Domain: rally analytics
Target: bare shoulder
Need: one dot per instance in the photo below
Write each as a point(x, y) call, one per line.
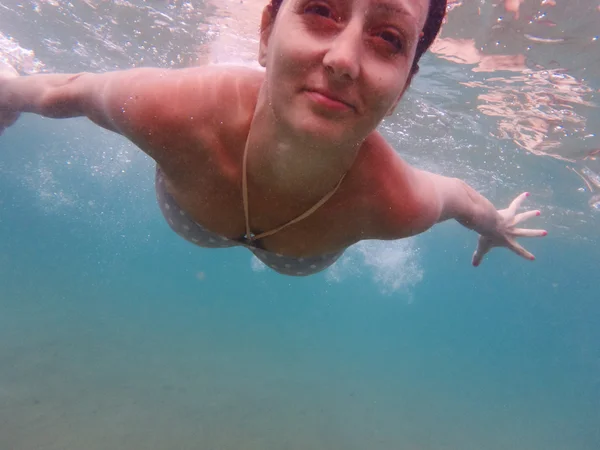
point(403, 202)
point(229, 102)
point(217, 99)
point(231, 93)
point(174, 115)
point(224, 86)
point(189, 95)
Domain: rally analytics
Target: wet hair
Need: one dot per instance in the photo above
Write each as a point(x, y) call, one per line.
point(435, 17)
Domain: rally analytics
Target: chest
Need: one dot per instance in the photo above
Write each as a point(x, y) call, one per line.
point(215, 202)
point(210, 192)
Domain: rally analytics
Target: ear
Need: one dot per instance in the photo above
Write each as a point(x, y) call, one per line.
point(393, 107)
point(266, 26)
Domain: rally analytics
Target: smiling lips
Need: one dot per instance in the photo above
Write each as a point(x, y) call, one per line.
point(329, 100)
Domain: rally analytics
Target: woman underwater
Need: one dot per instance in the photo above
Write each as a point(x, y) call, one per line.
point(286, 162)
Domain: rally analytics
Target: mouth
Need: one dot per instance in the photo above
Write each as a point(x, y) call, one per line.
point(329, 100)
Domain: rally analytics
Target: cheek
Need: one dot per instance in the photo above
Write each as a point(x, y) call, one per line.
point(283, 57)
point(384, 92)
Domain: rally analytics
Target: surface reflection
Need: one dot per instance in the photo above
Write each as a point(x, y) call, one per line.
point(591, 181)
point(531, 66)
point(541, 54)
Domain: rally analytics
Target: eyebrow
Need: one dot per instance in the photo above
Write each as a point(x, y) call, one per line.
point(394, 8)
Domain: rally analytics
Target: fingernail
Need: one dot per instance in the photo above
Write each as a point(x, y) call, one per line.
point(538, 213)
point(533, 258)
point(545, 233)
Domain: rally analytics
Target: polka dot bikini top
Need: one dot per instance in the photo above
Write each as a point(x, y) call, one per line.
point(186, 227)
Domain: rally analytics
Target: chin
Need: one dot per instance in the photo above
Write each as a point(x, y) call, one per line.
point(322, 131)
point(317, 127)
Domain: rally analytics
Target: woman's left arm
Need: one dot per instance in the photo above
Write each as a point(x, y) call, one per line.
point(451, 198)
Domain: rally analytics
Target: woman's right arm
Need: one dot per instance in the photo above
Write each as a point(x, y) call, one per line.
point(59, 96)
point(151, 107)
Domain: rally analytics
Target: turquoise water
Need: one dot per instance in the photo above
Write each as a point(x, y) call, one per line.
point(116, 333)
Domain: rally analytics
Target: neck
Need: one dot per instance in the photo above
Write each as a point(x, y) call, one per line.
point(282, 162)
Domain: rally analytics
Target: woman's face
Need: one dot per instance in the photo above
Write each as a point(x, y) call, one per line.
point(336, 68)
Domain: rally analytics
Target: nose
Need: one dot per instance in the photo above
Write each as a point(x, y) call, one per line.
point(343, 55)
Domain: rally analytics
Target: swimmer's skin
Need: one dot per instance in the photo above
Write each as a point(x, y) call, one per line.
point(195, 124)
point(175, 117)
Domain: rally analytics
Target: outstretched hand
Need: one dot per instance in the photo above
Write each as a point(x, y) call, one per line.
point(506, 232)
point(7, 115)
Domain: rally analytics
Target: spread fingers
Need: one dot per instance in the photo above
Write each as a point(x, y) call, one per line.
point(516, 203)
point(528, 232)
point(483, 248)
point(526, 216)
point(519, 250)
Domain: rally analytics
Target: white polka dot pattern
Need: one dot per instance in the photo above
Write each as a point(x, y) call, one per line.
point(192, 231)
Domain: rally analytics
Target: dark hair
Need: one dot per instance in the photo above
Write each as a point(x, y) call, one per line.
point(435, 17)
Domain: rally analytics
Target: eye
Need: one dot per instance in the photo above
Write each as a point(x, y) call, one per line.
point(394, 40)
point(319, 9)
